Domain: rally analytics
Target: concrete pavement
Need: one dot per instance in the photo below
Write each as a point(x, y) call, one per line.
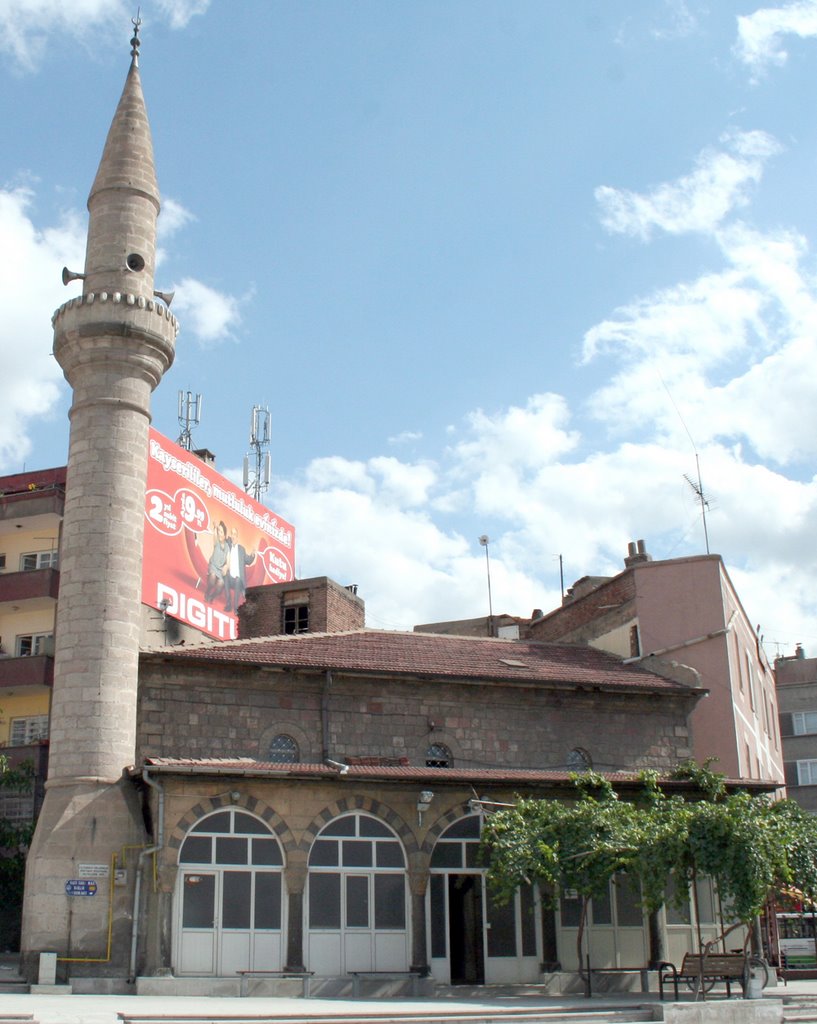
point(92, 1009)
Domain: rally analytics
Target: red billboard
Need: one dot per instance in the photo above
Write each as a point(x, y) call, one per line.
point(206, 541)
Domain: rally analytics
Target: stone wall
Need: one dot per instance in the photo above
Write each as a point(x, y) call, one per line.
point(209, 711)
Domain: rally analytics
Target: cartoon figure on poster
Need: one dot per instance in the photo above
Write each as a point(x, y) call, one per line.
point(207, 542)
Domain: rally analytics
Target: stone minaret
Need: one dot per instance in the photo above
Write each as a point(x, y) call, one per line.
point(114, 342)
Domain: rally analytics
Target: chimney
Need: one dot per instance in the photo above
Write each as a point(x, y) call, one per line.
point(636, 553)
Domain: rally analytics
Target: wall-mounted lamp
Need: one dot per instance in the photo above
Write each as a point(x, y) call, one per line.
point(235, 796)
point(423, 804)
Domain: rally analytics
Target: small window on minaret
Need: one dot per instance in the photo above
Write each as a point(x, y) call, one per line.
point(135, 262)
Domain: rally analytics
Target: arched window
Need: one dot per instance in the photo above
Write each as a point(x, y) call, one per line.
point(357, 911)
point(438, 756)
point(284, 750)
point(230, 896)
point(578, 760)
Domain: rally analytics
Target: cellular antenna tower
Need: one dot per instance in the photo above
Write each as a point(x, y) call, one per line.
point(257, 476)
point(189, 417)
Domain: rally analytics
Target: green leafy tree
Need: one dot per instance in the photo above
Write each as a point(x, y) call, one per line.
point(748, 845)
point(14, 842)
point(576, 846)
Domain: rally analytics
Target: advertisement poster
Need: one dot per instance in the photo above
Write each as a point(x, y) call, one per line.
point(206, 541)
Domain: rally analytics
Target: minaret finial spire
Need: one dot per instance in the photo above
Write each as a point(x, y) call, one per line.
point(135, 43)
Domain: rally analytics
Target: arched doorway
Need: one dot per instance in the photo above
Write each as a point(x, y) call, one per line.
point(229, 897)
point(357, 909)
point(474, 940)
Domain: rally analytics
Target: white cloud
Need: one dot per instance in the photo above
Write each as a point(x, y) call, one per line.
point(173, 218)
point(28, 27)
point(30, 288)
point(209, 314)
point(179, 12)
point(698, 201)
point(681, 21)
point(406, 437)
point(760, 34)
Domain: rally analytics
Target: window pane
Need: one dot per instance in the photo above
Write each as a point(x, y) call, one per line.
point(357, 901)
point(324, 853)
point(447, 855)
point(628, 895)
point(268, 899)
point(372, 827)
point(571, 910)
point(472, 858)
point(357, 854)
point(266, 851)
point(231, 850)
point(527, 906)
point(324, 900)
point(215, 823)
point(235, 899)
point(465, 828)
point(196, 850)
point(602, 908)
point(438, 937)
point(438, 756)
point(247, 823)
point(674, 915)
point(502, 931)
point(706, 901)
point(341, 827)
point(389, 855)
point(389, 901)
point(284, 750)
point(199, 901)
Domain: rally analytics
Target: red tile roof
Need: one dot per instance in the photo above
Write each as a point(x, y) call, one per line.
point(429, 655)
point(247, 766)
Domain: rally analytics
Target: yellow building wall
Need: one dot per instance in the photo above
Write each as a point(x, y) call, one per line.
point(24, 704)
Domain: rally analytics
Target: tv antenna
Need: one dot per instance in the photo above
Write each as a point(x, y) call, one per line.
point(189, 417)
point(257, 477)
point(702, 498)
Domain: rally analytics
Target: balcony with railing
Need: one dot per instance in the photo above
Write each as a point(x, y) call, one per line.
point(46, 498)
point(31, 585)
point(35, 670)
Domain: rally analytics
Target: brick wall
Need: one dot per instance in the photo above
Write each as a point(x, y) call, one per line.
point(600, 611)
point(332, 607)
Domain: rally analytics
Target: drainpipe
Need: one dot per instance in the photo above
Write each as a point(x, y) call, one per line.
point(148, 850)
point(684, 643)
point(325, 716)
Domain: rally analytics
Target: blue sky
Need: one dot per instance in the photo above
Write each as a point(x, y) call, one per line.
point(497, 267)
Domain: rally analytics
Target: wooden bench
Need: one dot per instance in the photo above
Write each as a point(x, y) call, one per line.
point(304, 976)
point(699, 968)
point(358, 976)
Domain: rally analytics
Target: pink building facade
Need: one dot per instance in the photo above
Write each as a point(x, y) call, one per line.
point(685, 610)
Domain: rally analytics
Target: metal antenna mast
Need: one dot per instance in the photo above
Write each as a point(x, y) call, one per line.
point(189, 417)
point(484, 541)
point(704, 501)
point(257, 479)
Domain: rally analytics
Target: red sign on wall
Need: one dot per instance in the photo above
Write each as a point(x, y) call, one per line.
point(206, 541)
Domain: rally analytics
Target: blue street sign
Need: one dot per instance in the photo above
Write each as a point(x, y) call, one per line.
point(80, 887)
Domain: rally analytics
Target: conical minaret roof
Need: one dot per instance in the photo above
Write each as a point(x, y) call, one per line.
point(127, 159)
point(124, 200)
